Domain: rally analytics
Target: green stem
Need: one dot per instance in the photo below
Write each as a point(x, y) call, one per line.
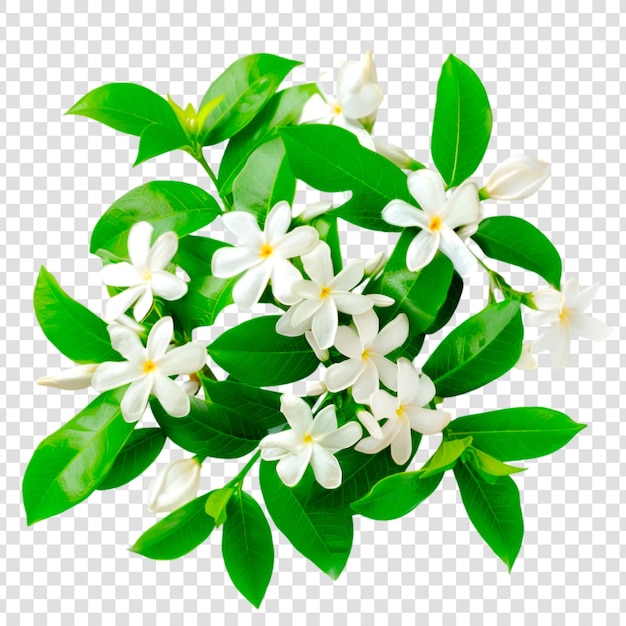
point(199, 156)
point(242, 474)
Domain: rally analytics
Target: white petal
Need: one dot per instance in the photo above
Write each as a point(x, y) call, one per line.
point(185, 359)
point(143, 305)
point(311, 211)
point(348, 342)
point(427, 188)
point(349, 277)
point(325, 324)
point(363, 102)
point(387, 371)
point(297, 412)
point(463, 206)
point(318, 263)
point(542, 318)
point(343, 437)
point(174, 486)
point(291, 468)
point(315, 109)
point(272, 454)
point(277, 222)
point(324, 423)
point(548, 299)
point(367, 326)
point(401, 213)
point(379, 300)
point(304, 311)
point(120, 275)
point(427, 421)
point(401, 447)
point(121, 302)
point(341, 375)
point(518, 177)
point(588, 327)
point(73, 378)
point(370, 423)
point(284, 275)
point(162, 251)
point(286, 327)
point(557, 340)
point(245, 227)
point(373, 445)
point(526, 360)
point(325, 467)
point(395, 154)
point(249, 288)
point(287, 441)
point(352, 303)
point(306, 289)
point(167, 285)
point(422, 250)
point(135, 399)
point(113, 374)
point(349, 77)
point(384, 405)
point(585, 297)
point(127, 343)
point(391, 336)
point(408, 381)
point(159, 339)
point(297, 242)
point(366, 384)
point(424, 392)
point(139, 238)
point(454, 248)
point(172, 398)
point(570, 291)
point(228, 262)
point(320, 353)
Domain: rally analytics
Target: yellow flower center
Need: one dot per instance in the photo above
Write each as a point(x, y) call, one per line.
point(324, 293)
point(336, 108)
point(435, 223)
point(146, 275)
point(307, 438)
point(193, 377)
point(366, 354)
point(266, 251)
point(564, 317)
point(401, 413)
point(149, 366)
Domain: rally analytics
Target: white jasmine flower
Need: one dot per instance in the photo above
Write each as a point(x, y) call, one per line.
point(366, 349)
point(564, 312)
point(438, 220)
point(148, 369)
point(145, 275)
point(516, 178)
point(404, 413)
point(73, 378)
point(192, 385)
point(310, 440)
point(174, 485)
point(323, 296)
point(263, 255)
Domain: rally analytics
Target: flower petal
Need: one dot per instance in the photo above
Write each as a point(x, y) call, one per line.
point(245, 227)
point(556, 339)
point(320, 353)
point(584, 298)
point(401, 445)
point(325, 324)
point(340, 376)
point(348, 342)
point(324, 423)
point(139, 237)
point(454, 248)
point(315, 109)
point(424, 392)
point(288, 441)
point(159, 339)
point(73, 378)
point(113, 374)
point(297, 412)
point(427, 421)
point(427, 188)
point(462, 207)
point(367, 325)
point(185, 359)
point(391, 336)
point(343, 437)
point(374, 445)
point(168, 285)
point(296, 242)
point(121, 302)
point(379, 300)
point(570, 291)
point(318, 263)
point(291, 468)
point(387, 371)
point(352, 303)
point(366, 384)
point(277, 222)
point(143, 305)
point(229, 261)
point(173, 399)
point(306, 289)
point(370, 423)
point(349, 276)
point(135, 399)
point(284, 274)
point(325, 467)
point(120, 275)
point(162, 251)
point(384, 405)
point(304, 311)
point(127, 343)
point(542, 318)
point(408, 381)
point(286, 327)
point(401, 213)
point(362, 102)
point(249, 288)
point(422, 250)
point(588, 327)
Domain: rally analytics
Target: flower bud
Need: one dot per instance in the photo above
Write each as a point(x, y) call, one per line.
point(78, 377)
point(174, 485)
point(312, 211)
point(395, 154)
point(316, 389)
point(526, 360)
point(375, 264)
point(516, 178)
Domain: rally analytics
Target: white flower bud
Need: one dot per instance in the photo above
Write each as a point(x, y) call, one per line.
point(174, 485)
point(316, 389)
point(78, 377)
point(312, 211)
point(375, 264)
point(516, 178)
point(526, 360)
point(394, 153)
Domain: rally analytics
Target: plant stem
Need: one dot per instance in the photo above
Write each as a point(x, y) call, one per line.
point(199, 156)
point(239, 478)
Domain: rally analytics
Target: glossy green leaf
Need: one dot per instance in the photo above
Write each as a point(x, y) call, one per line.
point(195, 253)
point(494, 510)
point(254, 353)
point(69, 464)
point(462, 123)
point(516, 241)
point(264, 180)
point(489, 468)
point(516, 434)
point(73, 329)
point(247, 547)
point(328, 231)
point(167, 205)
point(449, 306)
point(158, 139)
point(138, 453)
point(396, 495)
point(478, 351)
point(321, 533)
point(229, 424)
point(445, 456)
point(217, 503)
point(331, 159)
point(283, 109)
point(177, 534)
point(246, 85)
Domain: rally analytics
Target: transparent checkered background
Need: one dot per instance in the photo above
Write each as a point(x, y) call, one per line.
point(555, 80)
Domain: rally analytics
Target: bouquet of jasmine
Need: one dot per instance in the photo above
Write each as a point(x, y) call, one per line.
point(351, 327)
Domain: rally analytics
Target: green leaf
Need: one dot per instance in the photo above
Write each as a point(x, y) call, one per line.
point(283, 109)
point(216, 504)
point(489, 467)
point(195, 253)
point(396, 495)
point(326, 226)
point(73, 329)
point(321, 533)
point(331, 159)
point(462, 124)
point(494, 510)
point(264, 180)
point(246, 86)
point(449, 306)
point(478, 351)
point(247, 547)
point(420, 295)
point(254, 353)
point(126, 107)
point(514, 240)
point(158, 139)
point(445, 456)
point(69, 464)
point(177, 534)
point(167, 205)
point(138, 453)
point(229, 424)
point(516, 434)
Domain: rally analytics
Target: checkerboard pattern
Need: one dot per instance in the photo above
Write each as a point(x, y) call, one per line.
point(555, 78)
